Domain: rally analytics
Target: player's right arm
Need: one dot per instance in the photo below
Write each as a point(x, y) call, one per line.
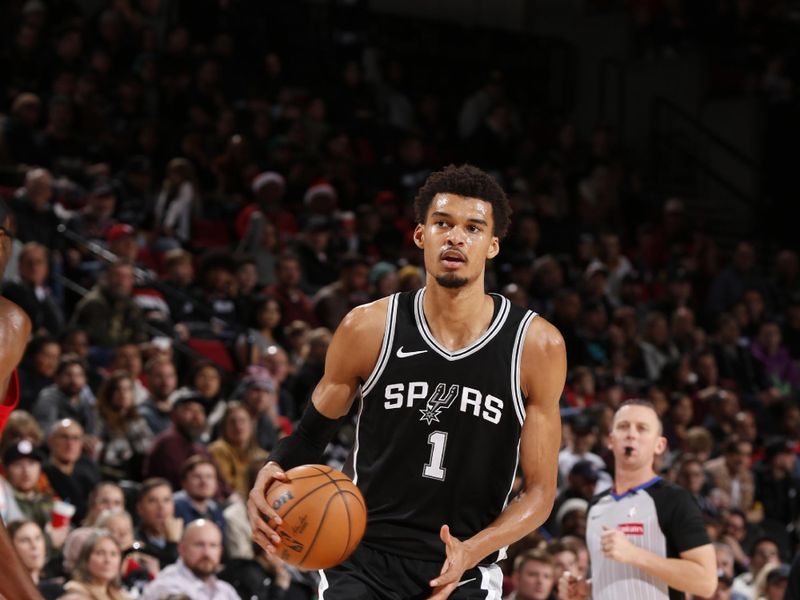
point(349, 361)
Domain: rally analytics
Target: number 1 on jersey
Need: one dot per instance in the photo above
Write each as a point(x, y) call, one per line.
point(433, 469)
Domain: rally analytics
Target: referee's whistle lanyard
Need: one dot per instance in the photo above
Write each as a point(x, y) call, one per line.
point(635, 489)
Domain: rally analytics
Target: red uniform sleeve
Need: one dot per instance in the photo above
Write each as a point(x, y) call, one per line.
point(11, 400)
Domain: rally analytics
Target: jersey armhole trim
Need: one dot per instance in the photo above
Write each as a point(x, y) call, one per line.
point(516, 365)
point(386, 347)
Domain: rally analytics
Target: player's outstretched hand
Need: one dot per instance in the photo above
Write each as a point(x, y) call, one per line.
point(259, 512)
point(572, 587)
point(458, 560)
point(616, 546)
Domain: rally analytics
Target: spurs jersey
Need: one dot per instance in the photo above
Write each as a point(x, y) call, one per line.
point(437, 439)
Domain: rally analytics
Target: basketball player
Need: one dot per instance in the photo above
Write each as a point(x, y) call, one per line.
point(457, 389)
point(15, 329)
point(646, 537)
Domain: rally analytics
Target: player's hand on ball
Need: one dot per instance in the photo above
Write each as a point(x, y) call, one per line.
point(616, 546)
point(458, 560)
point(259, 512)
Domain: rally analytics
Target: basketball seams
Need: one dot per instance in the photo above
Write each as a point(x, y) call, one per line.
point(303, 497)
point(343, 555)
point(334, 477)
point(350, 522)
point(319, 528)
point(341, 492)
point(357, 498)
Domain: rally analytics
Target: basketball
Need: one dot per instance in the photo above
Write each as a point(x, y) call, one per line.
point(323, 514)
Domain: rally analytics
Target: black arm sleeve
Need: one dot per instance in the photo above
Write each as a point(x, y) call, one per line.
point(307, 442)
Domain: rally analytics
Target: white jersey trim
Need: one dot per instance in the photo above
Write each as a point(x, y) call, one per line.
point(323, 585)
point(386, 346)
point(516, 366)
point(491, 581)
point(503, 552)
point(355, 446)
point(493, 329)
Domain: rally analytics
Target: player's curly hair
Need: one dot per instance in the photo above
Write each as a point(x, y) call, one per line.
point(470, 182)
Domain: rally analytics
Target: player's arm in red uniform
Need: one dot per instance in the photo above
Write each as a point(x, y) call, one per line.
point(15, 329)
point(542, 376)
point(350, 359)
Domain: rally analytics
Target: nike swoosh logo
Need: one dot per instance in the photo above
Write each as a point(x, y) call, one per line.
point(466, 581)
point(401, 354)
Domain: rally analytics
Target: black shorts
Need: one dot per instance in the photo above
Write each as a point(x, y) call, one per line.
point(373, 575)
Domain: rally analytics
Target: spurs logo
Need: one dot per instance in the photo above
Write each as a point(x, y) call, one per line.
point(438, 402)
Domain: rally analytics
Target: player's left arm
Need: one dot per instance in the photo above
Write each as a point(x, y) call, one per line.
point(542, 376)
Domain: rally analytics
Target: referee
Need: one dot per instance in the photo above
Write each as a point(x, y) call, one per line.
point(646, 536)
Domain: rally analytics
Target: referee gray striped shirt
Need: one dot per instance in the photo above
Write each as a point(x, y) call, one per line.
point(657, 516)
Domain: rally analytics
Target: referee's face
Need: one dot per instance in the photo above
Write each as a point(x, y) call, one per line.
point(636, 437)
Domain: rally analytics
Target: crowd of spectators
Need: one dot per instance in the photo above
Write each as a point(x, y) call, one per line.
point(197, 209)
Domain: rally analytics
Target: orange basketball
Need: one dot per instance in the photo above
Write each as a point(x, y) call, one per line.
point(323, 514)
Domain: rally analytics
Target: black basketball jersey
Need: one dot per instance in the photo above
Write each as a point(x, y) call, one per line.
point(437, 440)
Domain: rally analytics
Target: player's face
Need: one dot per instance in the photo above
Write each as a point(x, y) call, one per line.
point(535, 581)
point(635, 437)
point(457, 238)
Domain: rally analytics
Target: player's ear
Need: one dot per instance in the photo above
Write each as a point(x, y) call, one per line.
point(661, 445)
point(419, 235)
point(494, 248)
